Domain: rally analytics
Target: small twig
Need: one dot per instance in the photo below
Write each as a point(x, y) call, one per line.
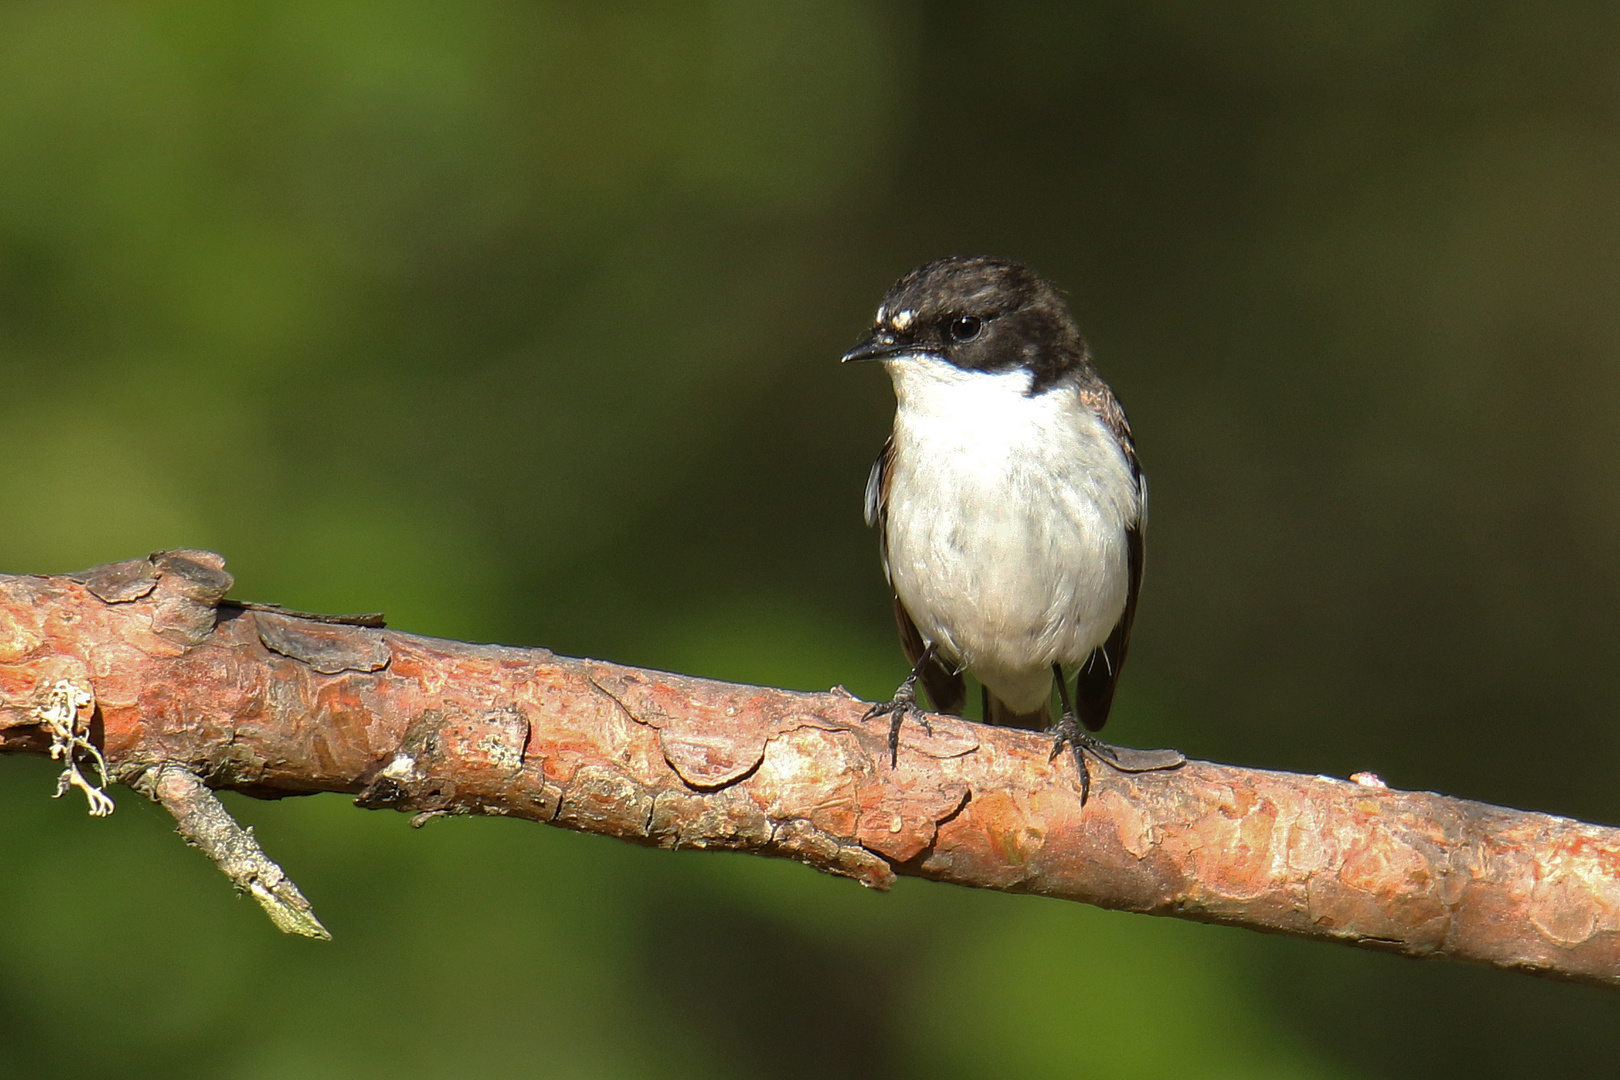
point(205, 823)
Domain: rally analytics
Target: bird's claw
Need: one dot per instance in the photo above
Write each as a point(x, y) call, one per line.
point(897, 709)
point(1066, 732)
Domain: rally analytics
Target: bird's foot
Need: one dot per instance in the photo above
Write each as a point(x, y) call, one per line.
point(897, 709)
point(1066, 732)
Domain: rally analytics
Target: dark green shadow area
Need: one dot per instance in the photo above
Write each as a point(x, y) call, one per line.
point(520, 322)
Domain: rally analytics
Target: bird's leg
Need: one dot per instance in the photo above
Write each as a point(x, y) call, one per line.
point(1067, 732)
point(902, 705)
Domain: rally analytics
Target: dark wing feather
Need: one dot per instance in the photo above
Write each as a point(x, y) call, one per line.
point(946, 688)
point(1099, 675)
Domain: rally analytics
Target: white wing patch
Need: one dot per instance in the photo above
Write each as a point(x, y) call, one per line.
point(874, 491)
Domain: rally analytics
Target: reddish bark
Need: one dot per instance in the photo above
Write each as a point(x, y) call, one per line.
point(271, 703)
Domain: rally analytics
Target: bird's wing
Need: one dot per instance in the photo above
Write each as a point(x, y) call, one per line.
point(1099, 675)
point(946, 688)
point(877, 499)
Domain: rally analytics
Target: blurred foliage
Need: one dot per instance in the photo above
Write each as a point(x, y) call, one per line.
point(519, 320)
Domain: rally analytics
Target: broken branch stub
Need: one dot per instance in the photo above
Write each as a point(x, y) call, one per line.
point(206, 825)
point(270, 703)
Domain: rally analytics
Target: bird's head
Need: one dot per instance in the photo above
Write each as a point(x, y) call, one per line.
point(976, 314)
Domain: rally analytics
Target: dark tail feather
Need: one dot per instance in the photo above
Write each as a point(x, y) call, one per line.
point(995, 712)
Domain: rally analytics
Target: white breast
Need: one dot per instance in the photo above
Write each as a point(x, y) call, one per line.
point(1006, 523)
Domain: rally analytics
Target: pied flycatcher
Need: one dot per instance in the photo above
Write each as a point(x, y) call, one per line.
point(1009, 505)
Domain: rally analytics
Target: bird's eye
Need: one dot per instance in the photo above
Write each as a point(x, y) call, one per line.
point(966, 327)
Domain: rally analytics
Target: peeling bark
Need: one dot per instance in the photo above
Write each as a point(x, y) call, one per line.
point(274, 703)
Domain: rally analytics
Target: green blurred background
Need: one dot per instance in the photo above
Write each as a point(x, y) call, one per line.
point(520, 320)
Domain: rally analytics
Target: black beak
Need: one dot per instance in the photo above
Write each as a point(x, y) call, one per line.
point(880, 346)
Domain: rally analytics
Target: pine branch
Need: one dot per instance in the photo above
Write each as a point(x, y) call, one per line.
point(172, 684)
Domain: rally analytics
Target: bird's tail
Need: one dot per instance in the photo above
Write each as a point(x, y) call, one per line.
point(997, 712)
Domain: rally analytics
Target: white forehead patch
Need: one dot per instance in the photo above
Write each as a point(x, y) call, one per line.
point(902, 320)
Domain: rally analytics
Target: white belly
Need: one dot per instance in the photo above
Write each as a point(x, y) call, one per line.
point(1006, 523)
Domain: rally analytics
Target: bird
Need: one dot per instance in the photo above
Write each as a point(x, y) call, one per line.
point(1010, 506)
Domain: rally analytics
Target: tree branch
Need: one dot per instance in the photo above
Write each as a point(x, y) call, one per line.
point(174, 685)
